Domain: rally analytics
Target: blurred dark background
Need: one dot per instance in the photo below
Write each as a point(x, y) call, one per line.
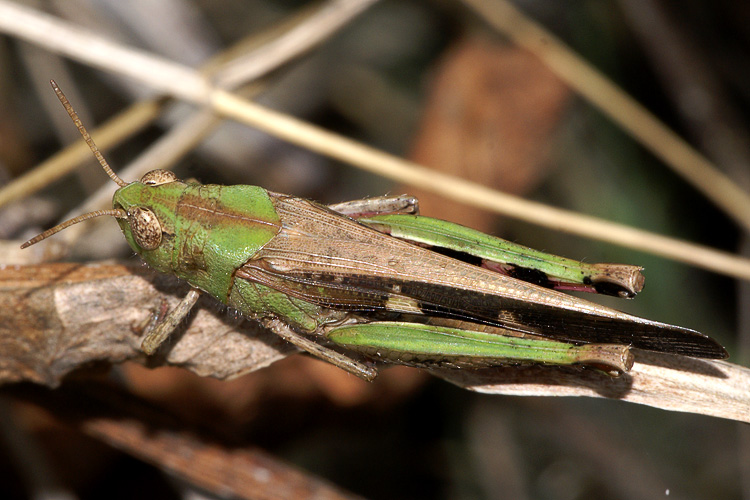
point(430, 81)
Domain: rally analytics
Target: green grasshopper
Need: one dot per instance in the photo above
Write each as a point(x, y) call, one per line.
point(371, 281)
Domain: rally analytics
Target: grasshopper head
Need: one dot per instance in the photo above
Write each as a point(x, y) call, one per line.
point(144, 209)
point(149, 224)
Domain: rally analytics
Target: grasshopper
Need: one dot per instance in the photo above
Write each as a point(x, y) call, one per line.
point(372, 281)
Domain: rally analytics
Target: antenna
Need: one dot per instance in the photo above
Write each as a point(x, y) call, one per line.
point(86, 137)
point(116, 212)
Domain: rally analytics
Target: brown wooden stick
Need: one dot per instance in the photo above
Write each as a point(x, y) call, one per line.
point(56, 318)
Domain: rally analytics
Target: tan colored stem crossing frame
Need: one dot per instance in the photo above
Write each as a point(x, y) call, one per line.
point(188, 84)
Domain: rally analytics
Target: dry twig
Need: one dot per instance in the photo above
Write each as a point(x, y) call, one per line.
point(184, 83)
point(62, 317)
point(611, 100)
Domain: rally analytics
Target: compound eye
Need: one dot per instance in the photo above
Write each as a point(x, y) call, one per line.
point(158, 177)
point(145, 227)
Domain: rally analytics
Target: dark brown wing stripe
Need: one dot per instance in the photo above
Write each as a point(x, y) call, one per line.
point(368, 293)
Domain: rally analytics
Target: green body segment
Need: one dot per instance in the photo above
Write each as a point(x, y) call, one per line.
point(456, 237)
point(398, 341)
point(254, 300)
point(209, 231)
